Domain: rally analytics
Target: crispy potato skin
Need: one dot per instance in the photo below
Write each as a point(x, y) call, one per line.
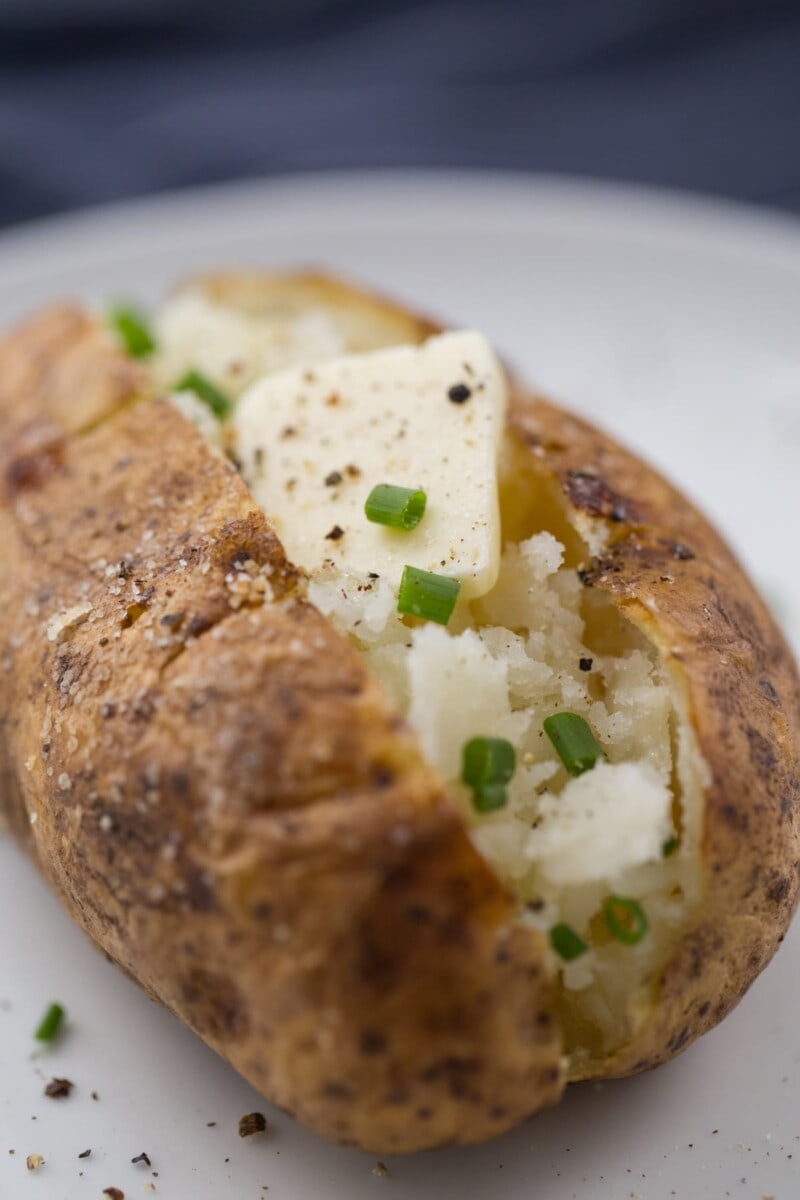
point(233, 812)
point(224, 798)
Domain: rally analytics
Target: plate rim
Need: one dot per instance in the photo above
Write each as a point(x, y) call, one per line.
point(632, 213)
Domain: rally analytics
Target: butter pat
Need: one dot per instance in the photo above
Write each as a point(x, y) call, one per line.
point(314, 442)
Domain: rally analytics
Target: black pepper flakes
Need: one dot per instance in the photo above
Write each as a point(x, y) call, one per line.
point(251, 1123)
point(585, 664)
point(334, 534)
point(459, 393)
point(142, 1158)
point(85, 1154)
point(59, 1089)
point(333, 478)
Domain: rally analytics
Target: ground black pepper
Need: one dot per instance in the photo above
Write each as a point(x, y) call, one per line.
point(251, 1123)
point(59, 1089)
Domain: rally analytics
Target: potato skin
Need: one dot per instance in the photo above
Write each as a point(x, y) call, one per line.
point(224, 798)
point(672, 574)
point(233, 812)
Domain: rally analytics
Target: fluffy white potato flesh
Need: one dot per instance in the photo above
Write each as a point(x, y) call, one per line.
point(193, 333)
point(563, 844)
point(525, 641)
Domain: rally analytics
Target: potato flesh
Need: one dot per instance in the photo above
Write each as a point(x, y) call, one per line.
point(504, 663)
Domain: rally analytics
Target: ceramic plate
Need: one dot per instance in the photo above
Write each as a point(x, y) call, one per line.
point(676, 324)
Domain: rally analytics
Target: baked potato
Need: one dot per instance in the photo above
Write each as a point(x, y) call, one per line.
point(244, 775)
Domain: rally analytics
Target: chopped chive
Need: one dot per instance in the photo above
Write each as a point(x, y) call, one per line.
point(567, 943)
point(133, 329)
point(208, 392)
point(625, 920)
point(574, 741)
point(488, 797)
point(50, 1023)
point(397, 507)
point(487, 760)
point(487, 765)
point(424, 594)
point(669, 847)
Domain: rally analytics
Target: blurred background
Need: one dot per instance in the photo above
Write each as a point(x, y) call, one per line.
point(101, 99)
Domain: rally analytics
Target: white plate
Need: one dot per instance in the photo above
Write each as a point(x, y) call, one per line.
point(675, 323)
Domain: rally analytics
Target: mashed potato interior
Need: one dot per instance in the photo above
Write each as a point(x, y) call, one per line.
point(562, 844)
point(538, 643)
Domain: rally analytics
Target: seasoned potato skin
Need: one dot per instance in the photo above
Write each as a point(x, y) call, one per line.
point(231, 809)
point(224, 798)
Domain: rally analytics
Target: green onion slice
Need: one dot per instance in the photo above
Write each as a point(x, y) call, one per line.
point(574, 741)
point(489, 797)
point(487, 760)
point(625, 920)
point(423, 594)
point(50, 1023)
point(397, 507)
point(208, 392)
point(134, 331)
point(487, 765)
point(567, 943)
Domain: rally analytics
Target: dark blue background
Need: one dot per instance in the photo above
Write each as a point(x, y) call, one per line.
point(107, 98)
